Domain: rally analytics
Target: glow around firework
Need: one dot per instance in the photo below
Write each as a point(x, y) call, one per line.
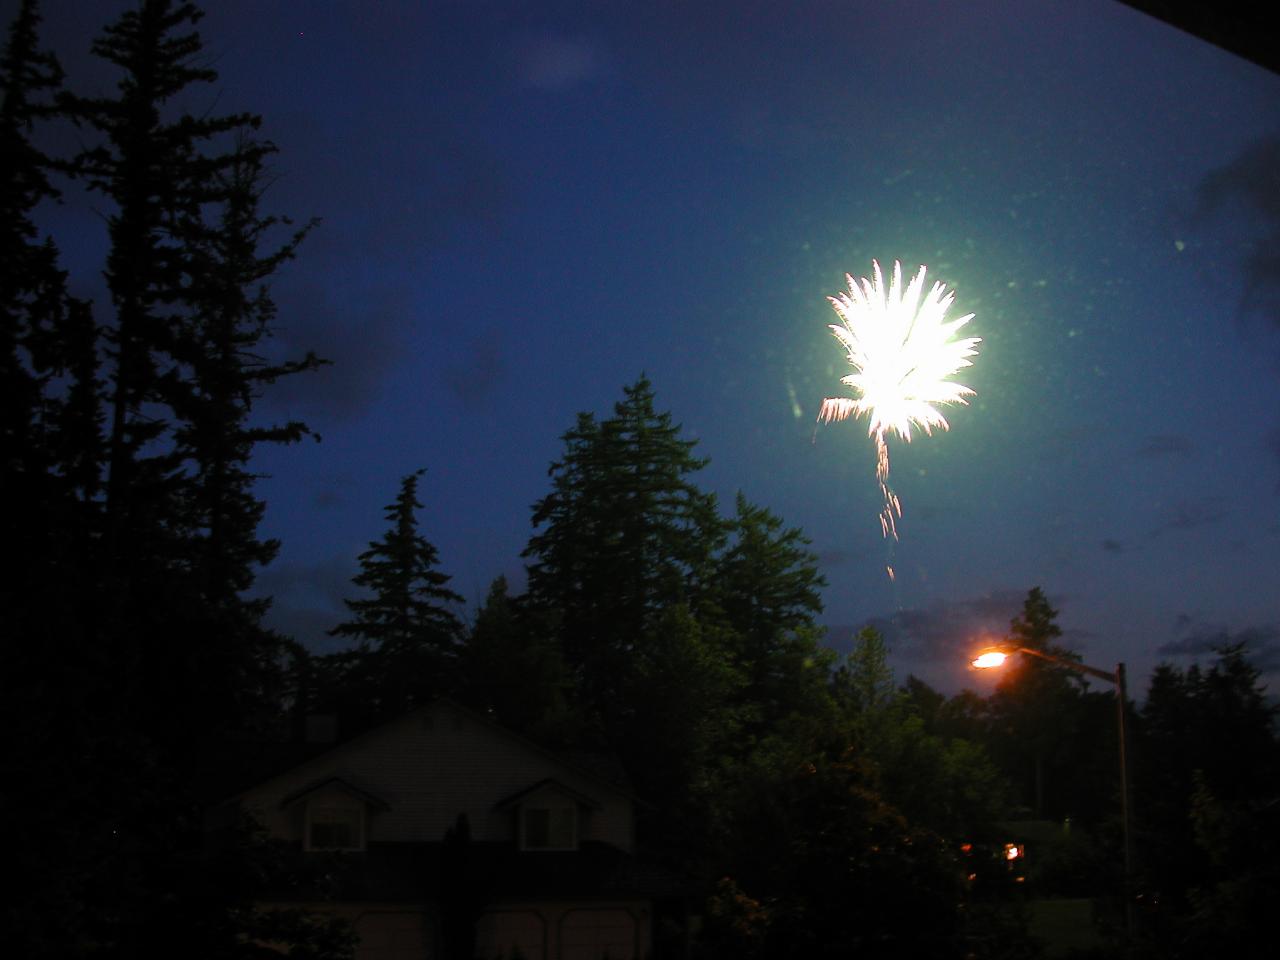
point(902, 349)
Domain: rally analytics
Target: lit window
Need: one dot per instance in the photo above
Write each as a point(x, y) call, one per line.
point(550, 828)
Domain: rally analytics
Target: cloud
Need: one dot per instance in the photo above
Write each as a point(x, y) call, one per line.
point(945, 630)
point(1190, 514)
point(1251, 182)
point(361, 340)
point(1112, 546)
point(1166, 445)
point(556, 63)
point(330, 498)
point(1252, 178)
point(306, 599)
point(833, 558)
point(1261, 642)
point(478, 375)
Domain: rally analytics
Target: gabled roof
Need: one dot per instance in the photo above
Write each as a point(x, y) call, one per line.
point(344, 785)
point(552, 784)
point(598, 768)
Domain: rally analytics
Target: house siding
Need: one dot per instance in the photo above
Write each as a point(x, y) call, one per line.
point(432, 765)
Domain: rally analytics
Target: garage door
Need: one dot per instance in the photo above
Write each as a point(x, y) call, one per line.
point(597, 934)
point(392, 935)
point(511, 934)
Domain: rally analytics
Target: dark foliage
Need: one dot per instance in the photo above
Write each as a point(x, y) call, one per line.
point(131, 654)
point(408, 636)
point(1208, 785)
point(819, 809)
point(1048, 732)
point(512, 670)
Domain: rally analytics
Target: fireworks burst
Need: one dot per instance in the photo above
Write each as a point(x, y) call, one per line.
point(902, 349)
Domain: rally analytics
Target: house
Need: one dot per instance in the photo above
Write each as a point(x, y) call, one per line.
point(540, 862)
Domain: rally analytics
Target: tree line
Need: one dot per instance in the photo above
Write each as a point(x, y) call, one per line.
point(815, 805)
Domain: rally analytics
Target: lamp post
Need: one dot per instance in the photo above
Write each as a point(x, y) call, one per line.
point(997, 656)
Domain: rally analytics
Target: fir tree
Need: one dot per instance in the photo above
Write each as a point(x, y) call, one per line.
point(137, 671)
point(408, 635)
point(864, 682)
point(231, 312)
point(50, 685)
point(621, 576)
point(511, 669)
point(187, 272)
point(158, 173)
point(767, 585)
point(1037, 711)
point(33, 297)
point(231, 318)
point(624, 535)
point(1207, 776)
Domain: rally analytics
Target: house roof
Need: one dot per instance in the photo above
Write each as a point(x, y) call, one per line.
point(552, 784)
point(340, 783)
point(601, 768)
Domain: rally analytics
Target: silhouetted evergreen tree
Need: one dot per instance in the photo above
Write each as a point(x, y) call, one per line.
point(141, 657)
point(621, 569)
point(939, 780)
point(623, 535)
point(50, 690)
point(768, 588)
point(407, 632)
point(864, 684)
point(27, 75)
point(43, 333)
point(158, 174)
point(231, 312)
point(512, 671)
point(1035, 711)
point(187, 273)
point(1207, 787)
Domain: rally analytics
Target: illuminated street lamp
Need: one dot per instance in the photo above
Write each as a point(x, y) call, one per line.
point(996, 656)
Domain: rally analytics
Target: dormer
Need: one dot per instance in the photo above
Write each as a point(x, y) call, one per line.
point(550, 816)
point(333, 815)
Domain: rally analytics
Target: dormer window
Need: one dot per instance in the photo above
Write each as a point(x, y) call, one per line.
point(550, 827)
point(335, 826)
point(334, 815)
point(550, 816)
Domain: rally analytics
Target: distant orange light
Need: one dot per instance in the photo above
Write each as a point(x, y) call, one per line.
point(992, 658)
point(1012, 851)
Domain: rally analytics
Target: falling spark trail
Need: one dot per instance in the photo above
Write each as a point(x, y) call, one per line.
point(902, 350)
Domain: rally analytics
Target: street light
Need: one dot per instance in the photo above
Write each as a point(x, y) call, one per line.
point(996, 656)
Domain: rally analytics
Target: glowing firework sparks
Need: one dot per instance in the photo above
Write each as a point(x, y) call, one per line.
point(902, 349)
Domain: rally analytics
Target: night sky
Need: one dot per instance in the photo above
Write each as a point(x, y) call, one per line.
point(527, 205)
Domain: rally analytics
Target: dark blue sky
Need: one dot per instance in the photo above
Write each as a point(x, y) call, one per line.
point(526, 205)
